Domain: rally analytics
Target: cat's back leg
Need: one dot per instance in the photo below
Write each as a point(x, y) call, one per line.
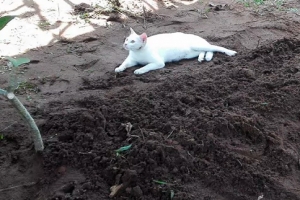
point(201, 56)
point(209, 55)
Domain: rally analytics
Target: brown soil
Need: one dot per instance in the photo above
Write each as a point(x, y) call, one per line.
point(221, 130)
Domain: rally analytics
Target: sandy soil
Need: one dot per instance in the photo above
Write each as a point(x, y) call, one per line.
point(221, 130)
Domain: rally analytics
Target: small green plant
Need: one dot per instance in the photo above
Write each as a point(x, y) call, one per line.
point(1, 137)
point(121, 149)
point(293, 10)
point(247, 4)
point(44, 24)
point(27, 87)
point(279, 3)
point(13, 85)
point(85, 17)
point(4, 20)
point(259, 2)
point(160, 182)
point(172, 194)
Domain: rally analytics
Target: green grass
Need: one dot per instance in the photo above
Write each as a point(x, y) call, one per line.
point(250, 3)
point(259, 2)
point(293, 10)
point(257, 5)
point(44, 24)
point(85, 17)
point(27, 87)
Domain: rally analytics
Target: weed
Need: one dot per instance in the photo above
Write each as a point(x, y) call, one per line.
point(89, 71)
point(85, 17)
point(27, 87)
point(260, 5)
point(259, 2)
point(172, 194)
point(44, 24)
point(121, 149)
point(160, 182)
point(264, 103)
point(247, 4)
point(13, 85)
point(4, 20)
point(293, 10)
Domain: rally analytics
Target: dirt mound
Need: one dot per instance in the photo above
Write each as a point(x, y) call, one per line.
point(227, 132)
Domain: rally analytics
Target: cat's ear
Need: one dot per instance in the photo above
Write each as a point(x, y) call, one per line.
point(132, 31)
point(144, 37)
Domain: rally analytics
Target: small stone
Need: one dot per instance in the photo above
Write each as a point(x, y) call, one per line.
point(175, 170)
point(61, 169)
point(137, 191)
point(129, 176)
point(128, 190)
point(116, 190)
point(87, 186)
point(249, 73)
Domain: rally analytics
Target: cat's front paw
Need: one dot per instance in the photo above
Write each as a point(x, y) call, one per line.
point(231, 53)
point(119, 69)
point(140, 71)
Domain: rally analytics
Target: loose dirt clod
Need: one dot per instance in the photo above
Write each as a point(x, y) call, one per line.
point(115, 190)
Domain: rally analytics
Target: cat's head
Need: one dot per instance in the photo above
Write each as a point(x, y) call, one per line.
point(135, 42)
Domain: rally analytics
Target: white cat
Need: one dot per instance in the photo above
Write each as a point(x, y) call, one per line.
point(155, 51)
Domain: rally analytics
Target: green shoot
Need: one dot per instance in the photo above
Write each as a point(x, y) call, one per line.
point(293, 10)
point(172, 193)
point(13, 85)
point(259, 2)
point(18, 61)
point(121, 149)
point(4, 20)
point(160, 182)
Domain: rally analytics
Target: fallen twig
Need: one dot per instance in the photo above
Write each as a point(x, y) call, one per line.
point(17, 186)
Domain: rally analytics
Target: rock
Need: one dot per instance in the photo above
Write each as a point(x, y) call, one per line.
point(137, 192)
point(116, 190)
point(129, 177)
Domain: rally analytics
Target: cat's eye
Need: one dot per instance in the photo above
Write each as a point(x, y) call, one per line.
point(132, 41)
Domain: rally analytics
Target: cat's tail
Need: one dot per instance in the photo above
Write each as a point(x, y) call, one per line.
point(214, 48)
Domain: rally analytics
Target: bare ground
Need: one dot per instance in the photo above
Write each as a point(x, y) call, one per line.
point(221, 130)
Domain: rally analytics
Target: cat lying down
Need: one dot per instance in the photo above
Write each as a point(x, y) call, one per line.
point(155, 51)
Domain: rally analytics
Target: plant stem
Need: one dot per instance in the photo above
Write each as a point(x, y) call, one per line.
point(3, 92)
point(36, 136)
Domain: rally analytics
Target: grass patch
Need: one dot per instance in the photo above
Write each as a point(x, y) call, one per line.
point(293, 10)
point(26, 88)
point(264, 6)
point(255, 3)
point(44, 24)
